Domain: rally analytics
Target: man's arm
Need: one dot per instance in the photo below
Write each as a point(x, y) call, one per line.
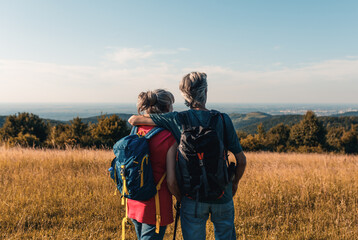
point(135, 120)
point(171, 178)
point(240, 169)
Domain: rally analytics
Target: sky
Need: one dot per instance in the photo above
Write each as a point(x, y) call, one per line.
point(109, 51)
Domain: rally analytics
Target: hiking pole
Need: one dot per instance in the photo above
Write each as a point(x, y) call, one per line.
point(177, 208)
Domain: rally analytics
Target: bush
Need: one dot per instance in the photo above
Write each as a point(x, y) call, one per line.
point(108, 131)
point(24, 129)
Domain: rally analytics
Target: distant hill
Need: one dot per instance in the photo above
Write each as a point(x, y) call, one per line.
point(347, 114)
point(290, 120)
point(55, 122)
point(270, 122)
point(244, 122)
point(94, 119)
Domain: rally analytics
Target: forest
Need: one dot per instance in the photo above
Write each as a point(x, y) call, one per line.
point(307, 133)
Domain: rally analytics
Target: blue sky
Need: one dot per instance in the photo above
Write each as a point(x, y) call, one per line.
point(109, 51)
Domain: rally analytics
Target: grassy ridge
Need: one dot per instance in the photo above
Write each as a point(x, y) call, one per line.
point(52, 194)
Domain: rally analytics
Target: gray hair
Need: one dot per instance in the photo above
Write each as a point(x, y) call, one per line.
point(156, 101)
point(193, 87)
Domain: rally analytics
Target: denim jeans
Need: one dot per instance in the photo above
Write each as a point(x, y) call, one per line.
point(147, 231)
point(222, 216)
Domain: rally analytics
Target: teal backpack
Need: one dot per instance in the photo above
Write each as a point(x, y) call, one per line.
point(132, 172)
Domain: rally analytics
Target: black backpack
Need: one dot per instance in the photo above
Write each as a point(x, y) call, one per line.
point(201, 169)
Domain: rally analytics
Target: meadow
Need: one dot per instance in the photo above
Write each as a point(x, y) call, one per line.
point(67, 194)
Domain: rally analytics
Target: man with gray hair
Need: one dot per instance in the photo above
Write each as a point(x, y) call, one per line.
point(195, 213)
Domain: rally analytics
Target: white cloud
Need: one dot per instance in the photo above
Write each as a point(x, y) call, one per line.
point(184, 49)
point(128, 54)
point(125, 55)
point(332, 81)
point(29, 81)
point(276, 47)
point(329, 81)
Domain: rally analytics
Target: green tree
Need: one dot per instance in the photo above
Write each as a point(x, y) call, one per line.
point(250, 143)
point(350, 140)
point(261, 131)
point(260, 138)
point(277, 137)
point(108, 131)
point(60, 136)
point(25, 140)
point(334, 139)
point(241, 134)
point(79, 133)
point(25, 129)
point(309, 134)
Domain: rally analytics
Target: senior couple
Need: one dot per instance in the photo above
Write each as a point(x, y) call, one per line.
point(155, 108)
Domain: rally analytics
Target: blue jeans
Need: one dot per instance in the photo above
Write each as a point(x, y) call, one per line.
point(222, 216)
point(147, 231)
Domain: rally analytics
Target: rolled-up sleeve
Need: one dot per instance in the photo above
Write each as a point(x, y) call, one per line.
point(234, 145)
point(168, 121)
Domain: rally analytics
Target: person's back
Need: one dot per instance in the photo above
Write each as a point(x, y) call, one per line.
point(194, 215)
point(144, 214)
point(202, 157)
point(144, 211)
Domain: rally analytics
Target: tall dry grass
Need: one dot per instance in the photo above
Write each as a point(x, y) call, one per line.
point(298, 196)
point(54, 194)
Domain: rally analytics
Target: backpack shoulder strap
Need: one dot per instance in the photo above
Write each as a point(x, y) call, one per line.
point(134, 130)
point(184, 118)
point(157, 205)
point(153, 132)
point(224, 130)
point(219, 114)
point(213, 118)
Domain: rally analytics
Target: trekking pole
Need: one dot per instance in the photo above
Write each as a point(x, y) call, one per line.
point(177, 208)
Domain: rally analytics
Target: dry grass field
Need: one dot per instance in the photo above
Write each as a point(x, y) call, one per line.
point(54, 194)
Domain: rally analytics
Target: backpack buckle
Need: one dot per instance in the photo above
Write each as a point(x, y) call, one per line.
point(122, 170)
point(140, 134)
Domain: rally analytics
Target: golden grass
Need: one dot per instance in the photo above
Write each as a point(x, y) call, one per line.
point(55, 194)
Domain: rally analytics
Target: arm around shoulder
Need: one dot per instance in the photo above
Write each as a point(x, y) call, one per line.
point(135, 120)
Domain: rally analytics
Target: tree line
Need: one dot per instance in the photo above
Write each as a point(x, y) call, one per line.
point(29, 130)
point(309, 135)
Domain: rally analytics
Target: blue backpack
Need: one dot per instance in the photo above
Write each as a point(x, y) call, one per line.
point(131, 169)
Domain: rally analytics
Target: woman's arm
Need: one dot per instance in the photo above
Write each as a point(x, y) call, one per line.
point(135, 120)
point(171, 178)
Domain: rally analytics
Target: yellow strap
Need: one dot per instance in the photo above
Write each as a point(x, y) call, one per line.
point(157, 214)
point(160, 181)
point(124, 221)
point(115, 178)
point(125, 190)
point(157, 205)
point(141, 170)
